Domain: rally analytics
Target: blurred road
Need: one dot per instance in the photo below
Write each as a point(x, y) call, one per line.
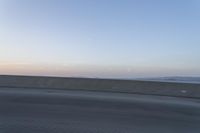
point(58, 111)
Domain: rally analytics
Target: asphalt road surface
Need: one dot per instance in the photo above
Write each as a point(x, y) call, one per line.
point(58, 111)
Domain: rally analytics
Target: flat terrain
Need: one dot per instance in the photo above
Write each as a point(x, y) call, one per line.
point(62, 111)
point(106, 85)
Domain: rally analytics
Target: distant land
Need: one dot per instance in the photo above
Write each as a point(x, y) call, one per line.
point(177, 79)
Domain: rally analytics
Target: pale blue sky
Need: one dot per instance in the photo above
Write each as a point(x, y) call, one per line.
point(100, 38)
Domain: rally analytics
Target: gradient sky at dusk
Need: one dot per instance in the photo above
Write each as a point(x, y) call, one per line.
point(100, 38)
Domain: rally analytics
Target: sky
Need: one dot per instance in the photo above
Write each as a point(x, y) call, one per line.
point(100, 38)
